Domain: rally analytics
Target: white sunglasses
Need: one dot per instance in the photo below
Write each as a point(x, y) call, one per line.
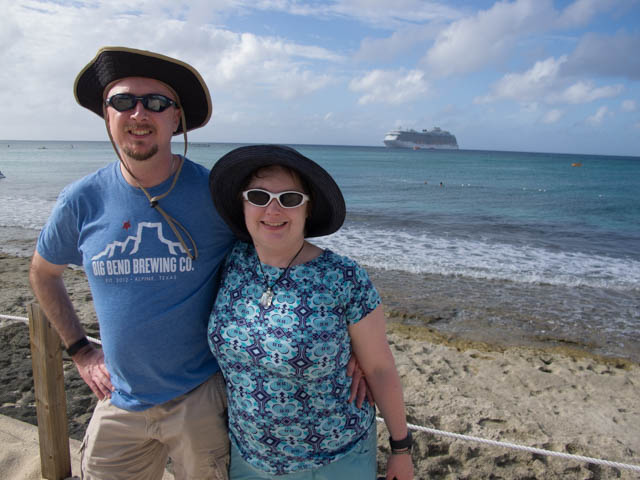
point(262, 198)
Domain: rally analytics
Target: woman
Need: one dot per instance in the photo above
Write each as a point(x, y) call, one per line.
point(285, 320)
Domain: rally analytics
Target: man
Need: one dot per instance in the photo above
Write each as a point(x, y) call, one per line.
point(152, 273)
point(150, 240)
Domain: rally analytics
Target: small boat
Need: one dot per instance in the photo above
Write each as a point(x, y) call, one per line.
point(2, 175)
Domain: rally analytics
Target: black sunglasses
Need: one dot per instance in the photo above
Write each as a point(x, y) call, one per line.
point(262, 198)
point(153, 102)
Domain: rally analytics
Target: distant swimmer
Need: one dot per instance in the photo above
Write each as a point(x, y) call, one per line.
point(2, 175)
point(441, 184)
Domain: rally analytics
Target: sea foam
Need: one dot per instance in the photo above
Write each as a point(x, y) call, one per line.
point(422, 253)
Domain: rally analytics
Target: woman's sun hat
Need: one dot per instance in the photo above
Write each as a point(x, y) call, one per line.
point(232, 171)
point(113, 63)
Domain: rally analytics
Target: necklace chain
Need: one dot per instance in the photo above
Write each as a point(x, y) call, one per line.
point(267, 295)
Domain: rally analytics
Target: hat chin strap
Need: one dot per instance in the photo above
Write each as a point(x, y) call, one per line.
point(153, 201)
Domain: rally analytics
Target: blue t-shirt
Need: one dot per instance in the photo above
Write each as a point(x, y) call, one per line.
point(151, 299)
point(285, 365)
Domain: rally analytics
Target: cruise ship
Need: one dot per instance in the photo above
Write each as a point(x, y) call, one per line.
point(436, 139)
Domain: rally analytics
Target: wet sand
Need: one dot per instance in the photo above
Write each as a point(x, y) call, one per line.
point(601, 321)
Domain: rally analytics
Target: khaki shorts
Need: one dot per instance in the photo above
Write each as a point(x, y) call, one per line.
point(191, 429)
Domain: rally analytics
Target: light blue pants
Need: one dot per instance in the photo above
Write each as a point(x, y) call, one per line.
point(359, 464)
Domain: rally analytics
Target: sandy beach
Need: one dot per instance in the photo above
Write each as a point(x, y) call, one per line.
point(552, 397)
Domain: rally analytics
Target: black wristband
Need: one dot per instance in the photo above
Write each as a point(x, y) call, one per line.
point(404, 444)
point(75, 347)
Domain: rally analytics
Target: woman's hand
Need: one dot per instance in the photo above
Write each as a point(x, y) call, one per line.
point(400, 467)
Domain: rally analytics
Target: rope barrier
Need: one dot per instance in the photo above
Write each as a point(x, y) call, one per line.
point(11, 317)
point(469, 438)
point(26, 320)
point(523, 448)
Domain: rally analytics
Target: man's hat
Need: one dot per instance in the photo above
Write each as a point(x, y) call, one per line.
point(114, 63)
point(232, 171)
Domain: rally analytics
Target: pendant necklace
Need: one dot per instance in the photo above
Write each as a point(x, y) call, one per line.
point(267, 295)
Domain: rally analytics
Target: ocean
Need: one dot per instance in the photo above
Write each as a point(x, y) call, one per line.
point(519, 248)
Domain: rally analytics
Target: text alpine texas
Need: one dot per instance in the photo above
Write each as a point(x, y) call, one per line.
point(119, 260)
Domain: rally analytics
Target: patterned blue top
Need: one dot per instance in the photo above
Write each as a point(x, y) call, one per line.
point(285, 365)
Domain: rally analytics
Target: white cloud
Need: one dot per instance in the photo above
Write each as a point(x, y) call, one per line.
point(585, 92)
point(606, 56)
point(598, 117)
point(392, 87)
point(553, 116)
point(628, 106)
point(379, 13)
point(527, 86)
point(489, 36)
point(252, 63)
point(544, 82)
point(294, 83)
point(393, 47)
point(473, 42)
point(580, 12)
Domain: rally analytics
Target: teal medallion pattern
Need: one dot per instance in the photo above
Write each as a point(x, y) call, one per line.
point(285, 365)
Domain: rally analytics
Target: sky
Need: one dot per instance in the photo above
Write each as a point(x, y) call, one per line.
point(557, 76)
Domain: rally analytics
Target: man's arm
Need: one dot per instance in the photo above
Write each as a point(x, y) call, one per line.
point(48, 286)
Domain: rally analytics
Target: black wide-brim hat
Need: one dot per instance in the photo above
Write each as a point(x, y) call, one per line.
point(231, 173)
point(113, 63)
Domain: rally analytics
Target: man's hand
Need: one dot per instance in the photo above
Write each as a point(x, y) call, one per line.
point(359, 387)
point(90, 364)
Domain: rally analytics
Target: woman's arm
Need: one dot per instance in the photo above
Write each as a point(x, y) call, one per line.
point(369, 341)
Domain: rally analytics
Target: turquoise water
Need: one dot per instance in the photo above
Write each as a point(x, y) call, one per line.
point(564, 239)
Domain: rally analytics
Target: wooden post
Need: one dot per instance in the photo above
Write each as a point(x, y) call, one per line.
point(51, 402)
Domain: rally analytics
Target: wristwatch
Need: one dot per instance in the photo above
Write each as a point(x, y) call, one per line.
point(401, 446)
point(76, 346)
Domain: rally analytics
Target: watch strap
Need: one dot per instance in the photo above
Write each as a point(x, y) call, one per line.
point(77, 346)
point(403, 445)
